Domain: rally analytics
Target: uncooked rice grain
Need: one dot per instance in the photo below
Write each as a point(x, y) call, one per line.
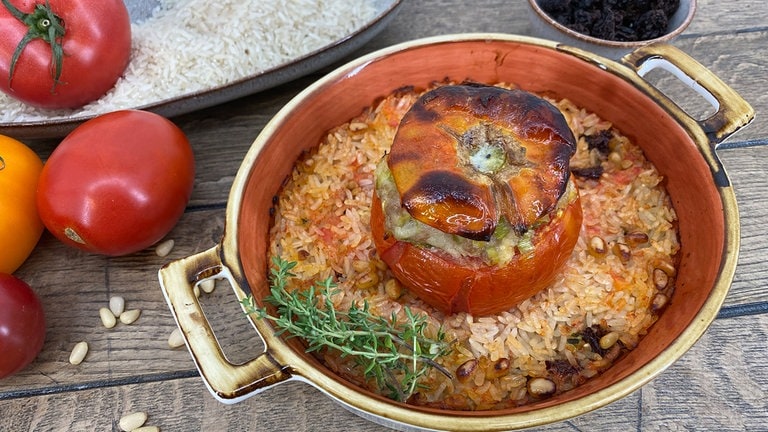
point(322, 223)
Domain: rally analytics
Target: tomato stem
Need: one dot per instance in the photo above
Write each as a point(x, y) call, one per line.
point(43, 24)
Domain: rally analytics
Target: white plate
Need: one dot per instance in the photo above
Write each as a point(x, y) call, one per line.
point(249, 84)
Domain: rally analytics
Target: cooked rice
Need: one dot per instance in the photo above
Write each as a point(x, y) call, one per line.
point(187, 46)
point(322, 223)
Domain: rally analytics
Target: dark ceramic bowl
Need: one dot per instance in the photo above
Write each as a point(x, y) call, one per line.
point(544, 26)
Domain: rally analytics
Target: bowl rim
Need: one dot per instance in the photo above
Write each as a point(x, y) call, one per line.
point(611, 43)
point(399, 415)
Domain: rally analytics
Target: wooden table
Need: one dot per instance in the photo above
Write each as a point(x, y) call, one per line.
point(721, 384)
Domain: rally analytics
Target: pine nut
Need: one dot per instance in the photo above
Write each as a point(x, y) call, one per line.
point(196, 291)
point(175, 340)
point(393, 289)
point(609, 340)
point(107, 317)
point(659, 301)
point(147, 429)
point(596, 247)
point(623, 252)
point(129, 316)
point(466, 369)
point(164, 248)
point(208, 285)
point(660, 279)
point(133, 421)
point(541, 387)
point(78, 353)
point(116, 305)
point(667, 268)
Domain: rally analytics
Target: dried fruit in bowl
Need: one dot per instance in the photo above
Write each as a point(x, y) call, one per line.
point(474, 208)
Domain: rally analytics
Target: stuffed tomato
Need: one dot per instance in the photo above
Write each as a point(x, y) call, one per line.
point(474, 208)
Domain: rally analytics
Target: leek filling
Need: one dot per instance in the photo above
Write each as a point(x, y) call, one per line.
point(504, 244)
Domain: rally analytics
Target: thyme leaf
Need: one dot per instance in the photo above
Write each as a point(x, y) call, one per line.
point(396, 354)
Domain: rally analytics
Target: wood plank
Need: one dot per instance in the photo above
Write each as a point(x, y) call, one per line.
point(720, 384)
point(717, 16)
point(221, 139)
point(748, 169)
point(73, 286)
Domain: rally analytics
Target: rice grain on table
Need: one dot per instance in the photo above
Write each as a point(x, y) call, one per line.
point(188, 46)
point(322, 223)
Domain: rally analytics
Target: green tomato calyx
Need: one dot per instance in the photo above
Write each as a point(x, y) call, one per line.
point(42, 23)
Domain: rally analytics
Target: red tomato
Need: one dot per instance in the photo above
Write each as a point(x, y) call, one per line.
point(118, 183)
point(94, 47)
point(469, 285)
point(22, 325)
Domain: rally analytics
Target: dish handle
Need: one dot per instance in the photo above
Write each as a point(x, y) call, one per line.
point(732, 112)
point(228, 382)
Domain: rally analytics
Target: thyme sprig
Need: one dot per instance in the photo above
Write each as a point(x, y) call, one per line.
point(395, 354)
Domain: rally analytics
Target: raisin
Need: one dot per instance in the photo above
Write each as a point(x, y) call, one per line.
point(668, 6)
point(605, 26)
point(651, 24)
point(599, 141)
point(585, 17)
point(626, 34)
point(587, 4)
point(637, 7)
point(616, 4)
point(579, 28)
point(619, 20)
point(592, 336)
point(593, 172)
point(564, 374)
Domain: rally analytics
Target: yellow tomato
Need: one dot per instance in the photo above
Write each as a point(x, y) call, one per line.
point(20, 225)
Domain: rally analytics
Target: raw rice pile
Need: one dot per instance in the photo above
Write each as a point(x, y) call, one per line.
point(192, 45)
point(600, 305)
